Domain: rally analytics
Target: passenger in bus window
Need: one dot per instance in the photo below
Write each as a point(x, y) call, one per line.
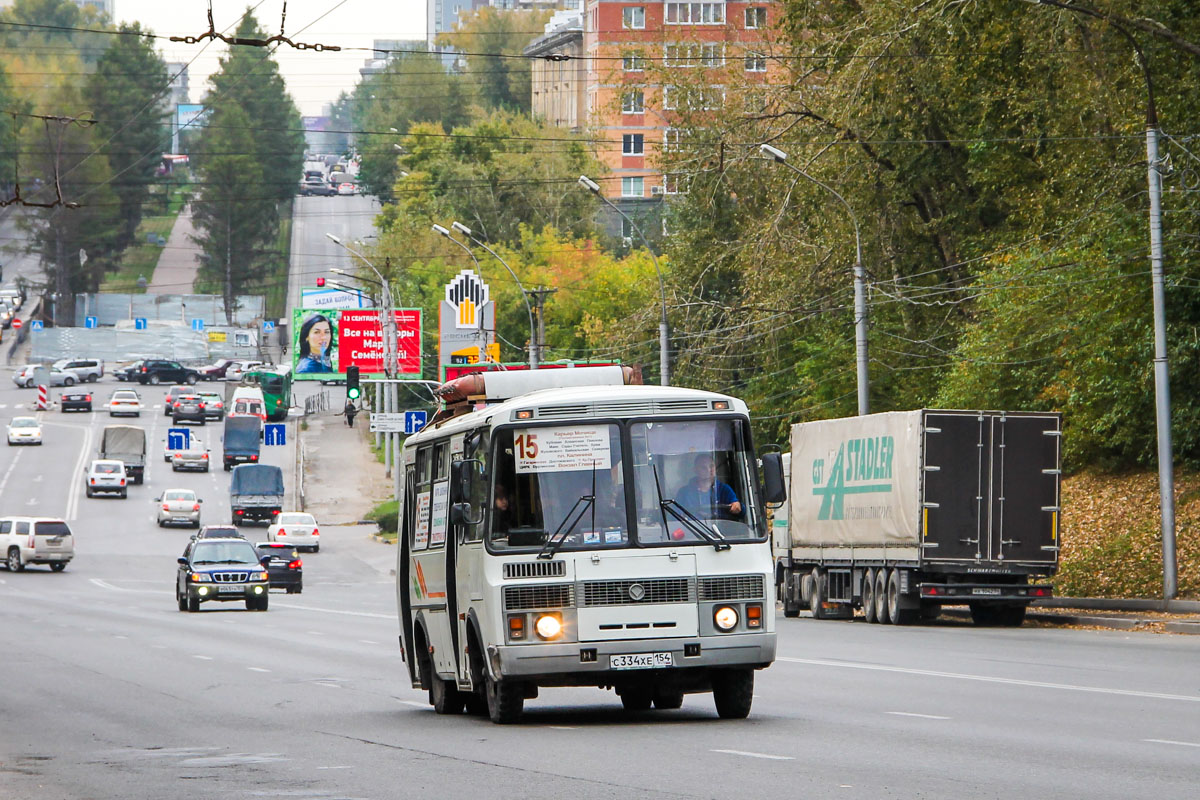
point(502, 516)
point(706, 496)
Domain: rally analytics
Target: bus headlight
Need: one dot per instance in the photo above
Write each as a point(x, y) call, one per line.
point(726, 618)
point(549, 626)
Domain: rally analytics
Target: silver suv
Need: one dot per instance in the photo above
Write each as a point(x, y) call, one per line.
point(87, 370)
point(36, 540)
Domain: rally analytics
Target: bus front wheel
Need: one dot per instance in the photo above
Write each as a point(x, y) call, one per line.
point(505, 700)
point(733, 692)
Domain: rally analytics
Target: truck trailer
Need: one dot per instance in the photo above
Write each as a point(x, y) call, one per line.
point(903, 512)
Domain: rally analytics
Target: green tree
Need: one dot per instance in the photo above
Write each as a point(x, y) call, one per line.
point(236, 227)
point(129, 80)
point(249, 78)
point(490, 38)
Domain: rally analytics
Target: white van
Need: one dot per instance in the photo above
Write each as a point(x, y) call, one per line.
point(247, 401)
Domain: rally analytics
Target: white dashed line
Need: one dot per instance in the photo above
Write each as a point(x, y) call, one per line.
point(562, 728)
point(341, 767)
point(911, 714)
point(257, 669)
point(203, 658)
point(755, 755)
point(366, 641)
point(1172, 741)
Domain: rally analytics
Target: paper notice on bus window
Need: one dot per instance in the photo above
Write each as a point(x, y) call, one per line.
point(562, 449)
point(441, 505)
point(421, 524)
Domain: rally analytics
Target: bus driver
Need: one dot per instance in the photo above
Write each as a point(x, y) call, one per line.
point(707, 497)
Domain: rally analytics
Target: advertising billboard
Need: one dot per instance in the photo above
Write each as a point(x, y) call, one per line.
point(327, 341)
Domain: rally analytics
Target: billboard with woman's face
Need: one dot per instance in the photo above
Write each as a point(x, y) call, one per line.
point(326, 341)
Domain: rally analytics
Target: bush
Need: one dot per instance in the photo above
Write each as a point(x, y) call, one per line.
point(386, 515)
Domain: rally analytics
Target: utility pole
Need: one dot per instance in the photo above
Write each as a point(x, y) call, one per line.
point(539, 296)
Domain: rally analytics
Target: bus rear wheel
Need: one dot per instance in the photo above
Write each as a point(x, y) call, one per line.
point(445, 697)
point(505, 700)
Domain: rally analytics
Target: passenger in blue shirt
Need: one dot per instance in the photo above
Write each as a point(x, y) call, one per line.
point(707, 497)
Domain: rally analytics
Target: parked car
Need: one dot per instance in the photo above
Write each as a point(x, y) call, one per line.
point(27, 377)
point(87, 370)
point(24, 430)
point(128, 373)
point(156, 371)
point(178, 507)
point(240, 368)
point(284, 566)
point(124, 401)
point(216, 370)
point(188, 407)
point(169, 400)
point(214, 405)
point(78, 400)
point(106, 476)
point(296, 528)
point(193, 457)
point(36, 540)
point(220, 570)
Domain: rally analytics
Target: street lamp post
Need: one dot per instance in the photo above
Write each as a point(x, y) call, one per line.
point(860, 297)
point(535, 345)
point(664, 352)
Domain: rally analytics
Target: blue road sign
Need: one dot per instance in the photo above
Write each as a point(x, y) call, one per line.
point(36, 325)
point(197, 324)
point(275, 434)
point(178, 438)
point(90, 322)
point(139, 324)
point(414, 421)
point(268, 326)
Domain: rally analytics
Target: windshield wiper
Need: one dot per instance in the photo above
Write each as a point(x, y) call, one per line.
point(689, 520)
point(556, 541)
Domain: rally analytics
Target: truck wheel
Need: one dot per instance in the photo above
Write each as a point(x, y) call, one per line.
point(868, 596)
point(898, 615)
point(733, 692)
point(983, 615)
point(881, 612)
point(636, 699)
point(791, 591)
point(505, 700)
point(817, 596)
point(1011, 616)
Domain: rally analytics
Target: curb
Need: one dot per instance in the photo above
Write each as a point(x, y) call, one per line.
point(1121, 604)
point(1093, 620)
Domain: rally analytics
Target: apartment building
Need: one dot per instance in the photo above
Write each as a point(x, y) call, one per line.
point(560, 85)
point(650, 60)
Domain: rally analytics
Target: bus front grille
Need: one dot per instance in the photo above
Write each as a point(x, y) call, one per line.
point(638, 592)
point(529, 598)
point(732, 587)
point(534, 569)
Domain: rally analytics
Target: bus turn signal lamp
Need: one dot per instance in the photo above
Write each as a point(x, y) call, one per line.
point(726, 618)
point(754, 616)
point(548, 626)
point(516, 626)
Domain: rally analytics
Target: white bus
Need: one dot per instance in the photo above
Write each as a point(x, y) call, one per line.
point(606, 535)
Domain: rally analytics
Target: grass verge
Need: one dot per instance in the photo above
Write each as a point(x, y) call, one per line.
point(385, 515)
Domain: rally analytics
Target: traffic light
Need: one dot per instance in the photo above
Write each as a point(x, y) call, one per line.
point(353, 391)
point(320, 283)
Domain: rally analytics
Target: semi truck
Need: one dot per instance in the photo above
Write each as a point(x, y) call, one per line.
point(256, 493)
point(125, 443)
point(901, 513)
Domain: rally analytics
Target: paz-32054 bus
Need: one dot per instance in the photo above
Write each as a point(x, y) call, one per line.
point(605, 535)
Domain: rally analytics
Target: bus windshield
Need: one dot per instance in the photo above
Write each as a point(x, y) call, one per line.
point(691, 485)
point(270, 384)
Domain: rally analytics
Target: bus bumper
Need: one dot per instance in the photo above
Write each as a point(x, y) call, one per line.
point(594, 659)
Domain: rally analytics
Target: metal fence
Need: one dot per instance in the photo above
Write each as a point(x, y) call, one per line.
point(109, 309)
point(316, 403)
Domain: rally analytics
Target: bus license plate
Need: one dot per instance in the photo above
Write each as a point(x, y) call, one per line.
point(984, 590)
point(640, 661)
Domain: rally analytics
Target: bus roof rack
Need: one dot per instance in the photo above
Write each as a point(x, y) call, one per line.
point(459, 395)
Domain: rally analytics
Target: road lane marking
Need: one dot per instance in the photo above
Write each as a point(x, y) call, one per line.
point(71, 513)
point(562, 727)
point(8, 473)
point(367, 641)
point(1070, 687)
point(341, 767)
point(1172, 741)
point(203, 658)
point(337, 611)
point(748, 754)
point(912, 714)
point(257, 669)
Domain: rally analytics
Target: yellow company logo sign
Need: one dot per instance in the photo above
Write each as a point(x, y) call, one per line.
point(468, 294)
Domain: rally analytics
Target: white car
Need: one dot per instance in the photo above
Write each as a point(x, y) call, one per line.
point(106, 475)
point(239, 368)
point(297, 529)
point(178, 506)
point(27, 378)
point(124, 401)
point(24, 430)
point(347, 188)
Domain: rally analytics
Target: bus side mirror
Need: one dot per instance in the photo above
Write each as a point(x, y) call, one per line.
point(460, 514)
point(463, 477)
point(774, 487)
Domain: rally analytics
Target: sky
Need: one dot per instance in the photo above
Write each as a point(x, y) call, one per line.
point(314, 78)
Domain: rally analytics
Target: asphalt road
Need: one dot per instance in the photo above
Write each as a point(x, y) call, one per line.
point(109, 692)
point(348, 217)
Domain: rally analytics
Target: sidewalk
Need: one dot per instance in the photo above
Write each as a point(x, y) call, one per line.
point(342, 478)
point(178, 264)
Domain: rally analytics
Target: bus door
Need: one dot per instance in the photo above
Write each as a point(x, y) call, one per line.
point(404, 567)
point(428, 581)
point(467, 545)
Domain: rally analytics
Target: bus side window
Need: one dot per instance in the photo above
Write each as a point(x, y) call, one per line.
point(407, 503)
point(478, 450)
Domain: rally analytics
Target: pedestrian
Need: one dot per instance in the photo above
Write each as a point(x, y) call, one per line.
point(350, 411)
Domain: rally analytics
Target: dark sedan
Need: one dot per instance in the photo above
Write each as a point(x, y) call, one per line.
point(188, 407)
point(75, 401)
point(127, 373)
point(284, 565)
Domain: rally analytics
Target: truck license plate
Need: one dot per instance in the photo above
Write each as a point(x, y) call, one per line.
point(984, 590)
point(640, 661)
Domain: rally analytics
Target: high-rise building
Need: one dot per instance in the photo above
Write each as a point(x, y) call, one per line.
point(385, 50)
point(177, 72)
point(560, 85)
point(441, 16)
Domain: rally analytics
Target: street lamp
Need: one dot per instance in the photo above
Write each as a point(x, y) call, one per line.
point(535, 350)
point(860, 297)
point(664, 357)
